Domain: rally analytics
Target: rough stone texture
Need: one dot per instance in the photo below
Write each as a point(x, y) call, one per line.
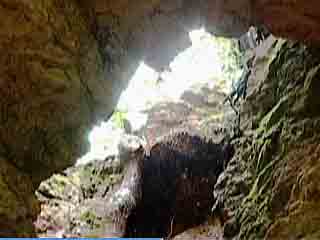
point(51, 84)
point(231, 187)
point(178, 174)
point(18, 205)
point(199, 111)
point(295, 19)
point(64, 64)
point(51, 91)
point(73, 203)
point(128, 31)
point(277, 196)
point(137, 29)
point(209, 230)
point(229, 18)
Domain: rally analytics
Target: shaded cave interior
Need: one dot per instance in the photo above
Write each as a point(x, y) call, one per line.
point(180, 177)
point(64, 65)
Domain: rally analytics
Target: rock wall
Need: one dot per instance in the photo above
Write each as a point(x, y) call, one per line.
point(18, 204)
point(73, 203)
point(294, 19)
point(51, 81)
point(64, 64)
point(171, 188)
point(269, 190)
point(199, 111)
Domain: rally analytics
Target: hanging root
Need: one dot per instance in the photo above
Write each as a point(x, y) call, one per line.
point(171, 229)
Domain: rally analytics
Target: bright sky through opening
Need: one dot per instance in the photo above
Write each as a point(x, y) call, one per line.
point(197, 64)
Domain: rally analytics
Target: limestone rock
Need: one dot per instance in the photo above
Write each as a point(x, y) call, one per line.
point(209, 230)
point(157, 189)
point(65, 63)
point(50, 56)
point(278, 151)
point(127, 145)
point(72, 204)
point(199, 111)
point(18, 205)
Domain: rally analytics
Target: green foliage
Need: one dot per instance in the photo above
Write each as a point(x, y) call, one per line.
point(119, 117)
point(91, 219)
point(230, 56)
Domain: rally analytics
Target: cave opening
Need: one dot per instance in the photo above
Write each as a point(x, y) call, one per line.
point(64, 65)
point(210, 62)
point(186, 96)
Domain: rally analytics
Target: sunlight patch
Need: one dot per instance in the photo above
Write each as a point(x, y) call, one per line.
point(141, 89)
point(206, 61)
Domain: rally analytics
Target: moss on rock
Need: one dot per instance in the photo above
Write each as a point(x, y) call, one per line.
point(280, 205)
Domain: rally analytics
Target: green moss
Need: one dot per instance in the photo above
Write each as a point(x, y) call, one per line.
point(293, 87)
point(88, 216)
point(303, 223)
point(274, 116)
point(58, 183)
point(91, 219)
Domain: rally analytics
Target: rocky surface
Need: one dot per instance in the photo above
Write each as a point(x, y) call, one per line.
point(157, 189)
point(51, 85)
point(18, 204)
point(269, 188)
point(301, 23)
point(209, 230)
point(73, 203)
point(64, 64)
point(137, 197)
point(199, 111)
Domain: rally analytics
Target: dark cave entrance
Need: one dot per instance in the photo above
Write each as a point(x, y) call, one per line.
point(202, 104)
